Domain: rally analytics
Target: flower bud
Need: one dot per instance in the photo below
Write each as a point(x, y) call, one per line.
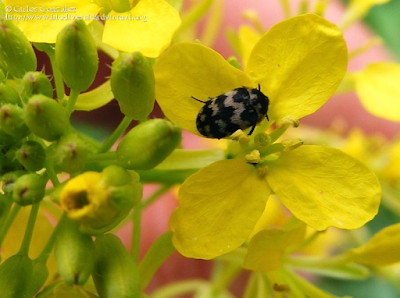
point(133, 85)
point(35, 82)
point(39, 277)
point(76, 55)
point(31, 155)
point(9, 95)
point(74, 254)
point(115, 272)
point(29, 189)
point(70, 153)
point(45, 117)
point(99, 201)
point(9, 179)
point(12, 121)
point(16, 276)
point(148, 144)
point(16, 53)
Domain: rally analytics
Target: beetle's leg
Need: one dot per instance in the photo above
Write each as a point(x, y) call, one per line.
point(267, 117)
point(252, 129)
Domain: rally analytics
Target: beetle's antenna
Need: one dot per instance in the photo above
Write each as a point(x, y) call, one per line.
point(198, 99)
point(259, 88)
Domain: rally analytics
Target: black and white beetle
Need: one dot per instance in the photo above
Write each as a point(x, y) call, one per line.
point(239, 108)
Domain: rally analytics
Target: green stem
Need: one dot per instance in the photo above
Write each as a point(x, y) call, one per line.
point(73, 96)
point(10, 219)
point(29, 230)
point(99, 157)
point(44, 255)
point(51, 173)
point(222, 275)
point(116, 134)
point(278, 132)
point(137, 216)
point(58, 81)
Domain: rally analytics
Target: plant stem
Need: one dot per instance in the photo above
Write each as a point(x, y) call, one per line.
point(116, 134)
point(44, 255)
point(73, 96)
point(29, 230)
point(137, 216)
point(58, 81)
point(8, 222)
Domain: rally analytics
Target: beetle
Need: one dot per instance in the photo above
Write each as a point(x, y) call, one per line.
point(224, 114)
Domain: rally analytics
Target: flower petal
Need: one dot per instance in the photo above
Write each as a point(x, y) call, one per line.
point(187, 70)
point(382, 249)
point(248, 38)
point(46, 18)
point(267, 247)
point(218, 209)
point(146, 28)
point(325, 187)
point(299, 63)
point(379, 90)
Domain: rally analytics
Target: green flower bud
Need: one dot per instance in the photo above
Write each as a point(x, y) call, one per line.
point(45, 117)
point(115, 272)
point(76, 55)
point(16, 53)
point(9, 179)
point(148, 144)
point(29, 189)
point(16, 276)
point(12, 121)
point(69, 154)
point(39, 277)
point(74, 254)
point(133, 85)
point(100, 201)
point(9, 95)
point(31, 155)
point(10, 161)
point(36, 82)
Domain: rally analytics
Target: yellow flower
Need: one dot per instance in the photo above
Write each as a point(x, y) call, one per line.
point(299, 63)
point(146, 27)
point(99, 201)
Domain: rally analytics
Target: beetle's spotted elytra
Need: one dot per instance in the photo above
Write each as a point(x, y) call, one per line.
point(239, 108)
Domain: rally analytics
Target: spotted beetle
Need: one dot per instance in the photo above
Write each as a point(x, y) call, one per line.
point(239, 108)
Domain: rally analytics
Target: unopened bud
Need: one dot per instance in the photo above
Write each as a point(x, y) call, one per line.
point(70, 153)
point(133, 85)
point(29, 189)
point(45, 117)
point(35, 82)
point(148, 144)
point(9, 179)
point(74, 254)
point(76, 55)
point(16, 276)
point(16, 53)
point(8, 95)
point(115, 272)
point(31, 155)
point(12, 121)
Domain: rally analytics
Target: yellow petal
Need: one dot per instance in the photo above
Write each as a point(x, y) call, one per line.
point(146, 28)
point(325, 187)
point(45, 19)
point(187, 70)
point(379, 90)
point(382, 249)
point(267, 247)
point(299, 62)
point(218, 209)
point(248, 38)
